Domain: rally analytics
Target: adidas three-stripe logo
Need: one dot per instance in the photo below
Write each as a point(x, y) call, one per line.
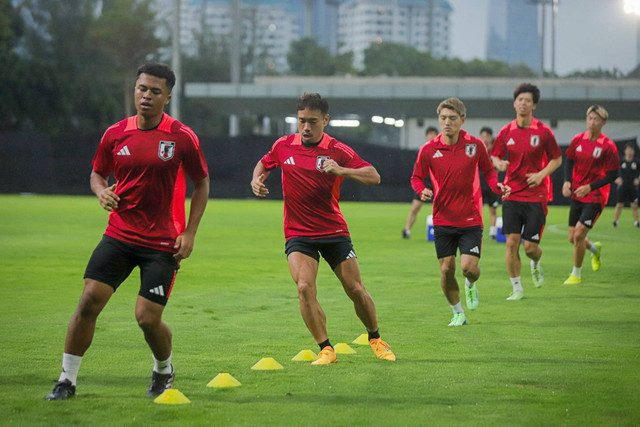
point(289, 161)
point(124, 151)
point(158, 290)
point(352, 254)
point(474, 250)
point(438, 154)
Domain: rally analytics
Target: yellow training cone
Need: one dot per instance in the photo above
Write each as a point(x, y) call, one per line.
point(267, 363)
point(343, 348)
point(361, 340)
point(172, 397)
point(305, 356)
point(224, 380)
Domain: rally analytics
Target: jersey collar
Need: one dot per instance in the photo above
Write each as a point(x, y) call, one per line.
point(324, 142)
point(535, 123)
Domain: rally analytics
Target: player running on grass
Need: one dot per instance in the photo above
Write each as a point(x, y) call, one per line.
point(313, 167)
point(452, 160)
point(592, 165)
point(528, 151)
point(150, 155)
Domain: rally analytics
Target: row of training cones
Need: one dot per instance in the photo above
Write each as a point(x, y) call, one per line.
point(224, 380)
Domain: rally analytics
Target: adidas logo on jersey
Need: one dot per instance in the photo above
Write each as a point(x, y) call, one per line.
point(438, 154)
point(474, 250)
point(535, 237)
point(290, 161)
point(124, 151)
point(511, 142)
point(158, 290)
point(579, 149)
point(352, 254)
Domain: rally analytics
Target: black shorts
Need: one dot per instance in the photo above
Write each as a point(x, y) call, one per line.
point(449, 239)
point(586, 213)
point(113, 261)
point(334, 250)
point(627, 194)
point(524, 218)
point(490, 198)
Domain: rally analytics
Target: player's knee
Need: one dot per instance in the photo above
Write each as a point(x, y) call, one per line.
point(146, 321)
point(306, 290)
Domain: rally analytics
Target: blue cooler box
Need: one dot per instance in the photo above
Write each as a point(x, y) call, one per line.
point(430, 236)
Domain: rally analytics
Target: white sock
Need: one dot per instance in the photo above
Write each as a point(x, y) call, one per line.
point(468, 284)
point(70, 367)
point(493, 230)
point(457, 308)
point(576, 271)
point(515, 282)
point(593, 249)
point(535, 264)
point(162, 366)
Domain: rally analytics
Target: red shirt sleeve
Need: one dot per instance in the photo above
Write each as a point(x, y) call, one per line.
point(103, 161)
point(270, 160)
point(420, 170)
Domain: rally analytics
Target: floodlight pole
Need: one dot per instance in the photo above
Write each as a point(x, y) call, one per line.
point(176, 64)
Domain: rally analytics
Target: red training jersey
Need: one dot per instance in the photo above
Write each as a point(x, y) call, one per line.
point(453, 169)
point(528, 151)
point(150, 168)
point(592, 161)
point(310, 195)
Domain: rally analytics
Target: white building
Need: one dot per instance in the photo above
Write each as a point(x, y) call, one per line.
point(423, 24)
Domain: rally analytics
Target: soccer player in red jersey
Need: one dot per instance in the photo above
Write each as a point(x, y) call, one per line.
point(150, 155)
point(416, 203)
point(592, 165)
point(527, 150)
point(313, 167)
point(452, 160)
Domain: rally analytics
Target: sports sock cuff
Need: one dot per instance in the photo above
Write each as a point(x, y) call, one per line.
point(373, 335)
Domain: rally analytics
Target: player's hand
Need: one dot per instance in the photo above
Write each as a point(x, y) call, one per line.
point(566, 189)
point(636, 181)
point(582, 191)
point(506, 190)
point(332, 167)
point(184, 245)
point(534, 179)
point(618, 181)
point(258, 187)
point(426, 195)
point(502, 165)
point(109, 199)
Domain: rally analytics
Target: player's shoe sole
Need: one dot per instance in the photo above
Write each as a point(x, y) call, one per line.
point(595, 258)
point(381, 349)
point(326, 356)
point(573, 280)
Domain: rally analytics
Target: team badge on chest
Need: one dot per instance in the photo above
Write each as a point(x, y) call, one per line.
point(597, 152)
point(535, 140)
point(166, 150)
point(470, 150)
point(320, 162)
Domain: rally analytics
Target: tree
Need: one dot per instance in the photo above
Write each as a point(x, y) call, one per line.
point(125, 31)
point(307, 58)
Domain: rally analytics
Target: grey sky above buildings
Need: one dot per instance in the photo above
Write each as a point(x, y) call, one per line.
point(591, 34)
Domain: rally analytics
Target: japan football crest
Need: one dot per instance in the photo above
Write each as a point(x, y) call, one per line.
point(166, 150)
point(320, 162)
point(596, 152)
point(470, 150)
point(535, 140)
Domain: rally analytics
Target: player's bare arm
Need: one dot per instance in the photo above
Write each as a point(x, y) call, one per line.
point(499, 164)
point(534, 179)
point(106, 194)
point(367, 175)
point(186, 240)
point(260, 174)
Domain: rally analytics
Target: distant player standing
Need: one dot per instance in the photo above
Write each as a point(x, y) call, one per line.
point(452, 161)
point(627, 182)
point(489, 198)
point(313, 167)
point(416, 203)
point(592, 165)
point(150, 155)
point(527, 150)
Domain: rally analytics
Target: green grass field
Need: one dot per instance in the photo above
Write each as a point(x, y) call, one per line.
point(565, 355)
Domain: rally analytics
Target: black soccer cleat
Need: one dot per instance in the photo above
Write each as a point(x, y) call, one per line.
point(160, 383)
point(62, 391)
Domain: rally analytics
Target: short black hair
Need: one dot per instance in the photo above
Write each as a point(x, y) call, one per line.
point(313, 101)
point(158, 70)
point(430, 129)
point(486, 129)
point(527, 87)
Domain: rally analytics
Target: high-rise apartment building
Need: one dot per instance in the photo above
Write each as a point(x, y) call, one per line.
point(513, 35)
point(423, 24)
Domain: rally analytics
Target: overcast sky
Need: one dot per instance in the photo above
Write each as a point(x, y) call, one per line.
point(591, 34)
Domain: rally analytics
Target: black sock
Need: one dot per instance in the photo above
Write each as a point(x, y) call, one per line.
point(373, 335)
point(324, 344)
